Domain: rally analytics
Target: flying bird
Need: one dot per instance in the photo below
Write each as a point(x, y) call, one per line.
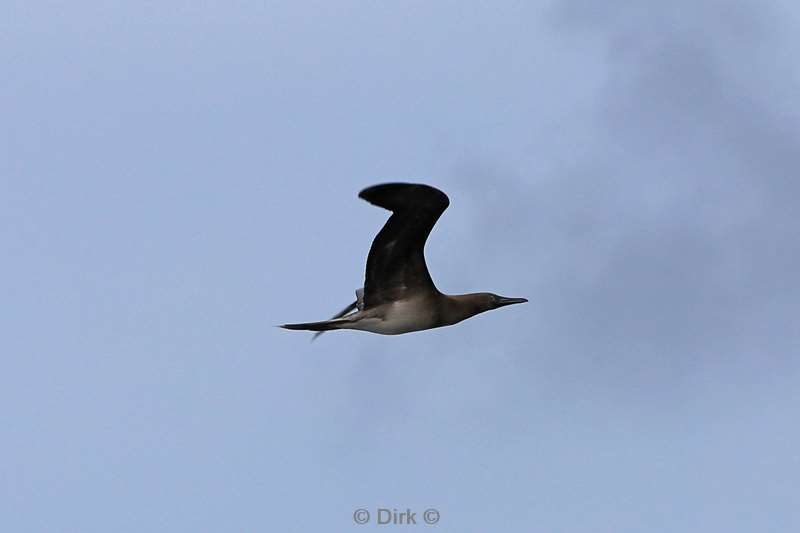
point(398, 294)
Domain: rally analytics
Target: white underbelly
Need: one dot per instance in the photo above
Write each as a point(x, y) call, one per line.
point(399, 317)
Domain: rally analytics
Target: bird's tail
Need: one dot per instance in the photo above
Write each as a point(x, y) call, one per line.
point(325, 325)
point(340, 314)
point(335, 322)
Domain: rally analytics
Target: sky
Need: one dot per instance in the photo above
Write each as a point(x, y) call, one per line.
point(177, 178)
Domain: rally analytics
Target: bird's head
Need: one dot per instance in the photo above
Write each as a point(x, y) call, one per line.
point(467, 305)
point(493, 301)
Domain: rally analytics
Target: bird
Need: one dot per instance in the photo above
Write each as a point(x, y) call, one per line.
point(399, 295)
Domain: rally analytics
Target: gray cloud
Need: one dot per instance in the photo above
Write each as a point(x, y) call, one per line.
point(672, 229)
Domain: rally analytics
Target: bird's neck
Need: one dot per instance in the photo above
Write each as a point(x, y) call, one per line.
point(458, 307)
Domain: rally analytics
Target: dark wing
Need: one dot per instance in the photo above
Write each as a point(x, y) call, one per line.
point(396, 262)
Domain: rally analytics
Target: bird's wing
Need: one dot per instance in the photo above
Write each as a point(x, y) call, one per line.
point(396, 262)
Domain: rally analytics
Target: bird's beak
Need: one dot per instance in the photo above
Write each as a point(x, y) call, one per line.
point(508, 301)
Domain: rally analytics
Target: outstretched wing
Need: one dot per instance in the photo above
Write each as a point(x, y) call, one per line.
point(396, 262)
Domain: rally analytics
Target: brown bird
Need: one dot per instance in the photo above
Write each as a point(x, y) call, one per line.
point(398, 294)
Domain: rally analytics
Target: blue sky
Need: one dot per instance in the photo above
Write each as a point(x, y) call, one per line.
point(177, 179)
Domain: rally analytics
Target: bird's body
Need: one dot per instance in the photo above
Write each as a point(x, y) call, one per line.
point(393, 318)
point(399, 295)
